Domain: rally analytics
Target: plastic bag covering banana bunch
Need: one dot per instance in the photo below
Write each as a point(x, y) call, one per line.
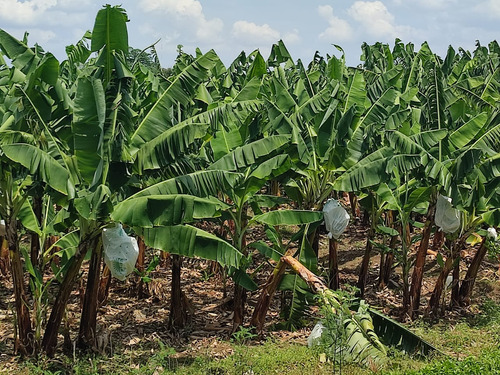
point(492, 234)
point(120, 251)
point(315, 336)
point(447, 218)
point(336, 218)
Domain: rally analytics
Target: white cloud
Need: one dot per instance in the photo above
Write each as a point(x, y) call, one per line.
point(338, 29)
point(376, 20)
point(43, 36)
point(490, 8)
point(291, 37)
point(429, 4)
point(209, 29)
point(374, 17)
point(187, 11)
point(253, 34)
point(24, 12)
point(72, 4)
point(191, 8)
point(250, 32)
point(434, 4)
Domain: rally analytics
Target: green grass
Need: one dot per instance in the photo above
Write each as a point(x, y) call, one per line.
point(486, 363)
point(472, 346)
point(269, 358)
point(469, 336)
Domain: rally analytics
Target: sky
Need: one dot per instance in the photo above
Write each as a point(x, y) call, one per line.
point(229, 27)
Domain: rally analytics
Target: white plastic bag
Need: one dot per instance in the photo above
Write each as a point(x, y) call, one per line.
point(120, 251)
point(447, 217)
point(492, 234)
point(315, 335)
point(3, 229)
point(336, 218)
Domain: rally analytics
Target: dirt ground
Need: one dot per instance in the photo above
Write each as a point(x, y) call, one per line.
point(126, 322)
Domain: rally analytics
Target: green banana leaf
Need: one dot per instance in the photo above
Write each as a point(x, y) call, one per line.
point(395, 334)
point(367, 172)
point(191, 242)
point(182, 89)
point(200, 184)
point(289, 217)
point(247, 155)
point(38, 161)
point(169, 145)
point(89, 116)
point(161, 210)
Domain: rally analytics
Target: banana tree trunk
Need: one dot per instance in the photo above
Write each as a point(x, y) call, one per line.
point(455, 289)
point(4, 256)
point(333, 264)
point(386, 267)
point(363, 272)
point(353, 200)
point(51, 240)
point(49, 341)
point(267, 294)
point(275, 188)
point(23, 321)
point(435, 299)
point(88, 320)
point(240, 296)
point(104, 285)
point(240, 293)
point(177, 318)
point(388, 257)
point(314, 282)
point(471, 275)
point(418, 270)
point(438, 241)
point(35, 238)
point(140, 267)
point(163, 258)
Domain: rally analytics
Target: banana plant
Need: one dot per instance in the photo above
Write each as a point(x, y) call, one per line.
point(30, 107)
point(12, 200)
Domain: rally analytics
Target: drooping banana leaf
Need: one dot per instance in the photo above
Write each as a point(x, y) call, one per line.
point(200, 183)
point(190, 241)
point(467, 132)
point(182, 89)
point(289, 217)
point(368, 171)
point(169, 145)
point(247, 155)
point(159, 210)
point(23, 57)
point(242, 278)
point(266, 250)
point(39, 161)
point(395, 334)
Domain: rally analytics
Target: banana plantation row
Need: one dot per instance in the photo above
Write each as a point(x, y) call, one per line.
point(107, 136)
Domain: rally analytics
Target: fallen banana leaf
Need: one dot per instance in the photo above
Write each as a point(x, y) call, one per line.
point(395, 334)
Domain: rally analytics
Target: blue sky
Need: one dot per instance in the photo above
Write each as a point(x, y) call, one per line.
point(229, 27)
